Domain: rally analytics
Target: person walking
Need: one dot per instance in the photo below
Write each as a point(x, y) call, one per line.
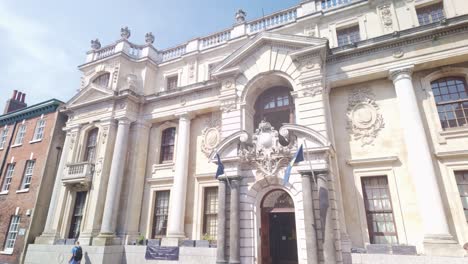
point(77, 254)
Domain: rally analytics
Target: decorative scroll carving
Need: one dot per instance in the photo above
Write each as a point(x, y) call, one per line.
point(266, 151)
point(364, 119)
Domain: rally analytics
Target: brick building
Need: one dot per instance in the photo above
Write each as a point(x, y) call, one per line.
point(31, 141)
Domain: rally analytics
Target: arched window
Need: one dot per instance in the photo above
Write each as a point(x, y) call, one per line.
point(102, 80)
point(276, 106)
point(91, 142)
point(167, 144)
point(451, 98)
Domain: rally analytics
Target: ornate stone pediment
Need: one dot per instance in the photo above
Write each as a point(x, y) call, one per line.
point(90, 94)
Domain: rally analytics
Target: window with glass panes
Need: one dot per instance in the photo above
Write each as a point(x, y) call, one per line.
point(379, 211)
point(20, 135)
point(451, 96)
point(462, 183)
point(39, 131)
point(8, 176)
point(90, 152)
point(28, 172)
point(172, 82)
point(161, 211)
point(430, 14)
point(77, 216)
point(275, 106)
point(102, 80)
point(12, 233)
point(3, 137)
point(167, 144)
point(348, 35)
point(210, 212)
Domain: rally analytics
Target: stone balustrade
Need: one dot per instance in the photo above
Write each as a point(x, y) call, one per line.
point(173, 53)
point(328, 4)
point(78, 173)
point(216, 39)
point(277, 19)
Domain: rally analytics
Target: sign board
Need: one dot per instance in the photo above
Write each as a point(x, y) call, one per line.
point(161, 253)
point(21, 231)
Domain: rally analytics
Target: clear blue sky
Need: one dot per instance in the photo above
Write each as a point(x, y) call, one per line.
point(43, 42)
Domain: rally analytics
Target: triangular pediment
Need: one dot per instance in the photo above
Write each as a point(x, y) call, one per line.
point(295, 45)
point(90, 94)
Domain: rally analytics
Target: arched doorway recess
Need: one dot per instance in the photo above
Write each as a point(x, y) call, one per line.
point(278, 229)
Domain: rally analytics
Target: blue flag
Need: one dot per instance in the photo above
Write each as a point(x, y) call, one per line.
point(297, 158)
point(220, 170)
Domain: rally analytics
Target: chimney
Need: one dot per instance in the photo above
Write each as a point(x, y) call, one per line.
point(16, 102)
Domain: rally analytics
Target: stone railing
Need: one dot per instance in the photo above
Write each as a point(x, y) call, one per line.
point(173, 53)
point(135, 51)
point(105, 52)
point(277, 19)
point(328, 4)
point(78, 173)
point(215, 39)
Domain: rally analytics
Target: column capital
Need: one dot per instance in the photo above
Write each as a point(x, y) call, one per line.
point(185, 115)
point(124, 121)
point(404, 72)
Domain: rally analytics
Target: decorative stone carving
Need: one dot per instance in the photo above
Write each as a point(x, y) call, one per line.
point(240, 16)
point(125, 33)
point(95, 44)
point(191, 70)
point(386, 16)
point(98, 166)
point(228, 84)
point(266, 151)
point(149, 38)
point(228, 106)
point(211, 135)
point(364, 119)
point(131, 81)
point(104, 135)
point(398, 53)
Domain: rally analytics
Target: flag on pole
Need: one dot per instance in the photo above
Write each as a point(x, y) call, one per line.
point(298, 157)
point(220, 170)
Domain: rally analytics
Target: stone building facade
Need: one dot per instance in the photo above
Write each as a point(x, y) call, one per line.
point(374, 91)
point(31, 139)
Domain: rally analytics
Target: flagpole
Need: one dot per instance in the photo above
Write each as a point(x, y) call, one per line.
point(310, 163)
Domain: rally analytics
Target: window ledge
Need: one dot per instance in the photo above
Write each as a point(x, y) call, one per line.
point(6, 252)
point(455, 132)
point(3, 192)
point(163, 166)
point(17, 145)
point(23, 190)
point(35, 141)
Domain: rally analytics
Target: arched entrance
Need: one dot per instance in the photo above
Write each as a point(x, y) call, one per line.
point(278, 229)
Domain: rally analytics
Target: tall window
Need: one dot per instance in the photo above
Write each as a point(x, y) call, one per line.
point(91, 142)
point(20, 135)
point(210, 214)
point(451, 96)
point(172, 82)
point(28, 172)
point(462, 182)
point(3, 137)
point(430, 14)
point(167, 144)
point(39, 131)
point(102, 80)
point(276, 106)
point(379, 212)
point(8, 176)
point(77, 216)
point(348, 35)
point(161, 210)
point(12, 233)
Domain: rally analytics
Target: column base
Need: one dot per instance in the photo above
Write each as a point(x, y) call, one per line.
point(107, 239)
point(442, 245)
point(221, 262)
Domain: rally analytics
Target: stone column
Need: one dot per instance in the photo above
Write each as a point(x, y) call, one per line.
point(234, 238)
point(310, 231)
point(175, 224)
point(326, 217)
point(221, 237)
point(114, 185)
point(421, 167)
point(50, 232)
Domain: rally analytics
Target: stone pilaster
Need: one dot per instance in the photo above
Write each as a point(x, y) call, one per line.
point(221, 235)
point(327, 219)
point(309, 226)
point(234, 230)
point(175, 228)
point(114, 185)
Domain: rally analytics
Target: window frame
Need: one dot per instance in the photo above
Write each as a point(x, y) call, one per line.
point(167, 146)
point(76, 219)
point(170, 83)
point(6, 183)
point(20, 135)
point(13, 224)
point(88, 147)
point(347, 31)
point(465, 174)
point(210, 214)
point(39, 130)
point(428, 12)
point(28, 174)
point(273, 92)
point(164, 214)
point(4, 137)
point(98, 80)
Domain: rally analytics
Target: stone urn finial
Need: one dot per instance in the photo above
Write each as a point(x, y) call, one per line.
point(125, 33)
point(240, 16)
point(149, 38)
point(95, 44)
